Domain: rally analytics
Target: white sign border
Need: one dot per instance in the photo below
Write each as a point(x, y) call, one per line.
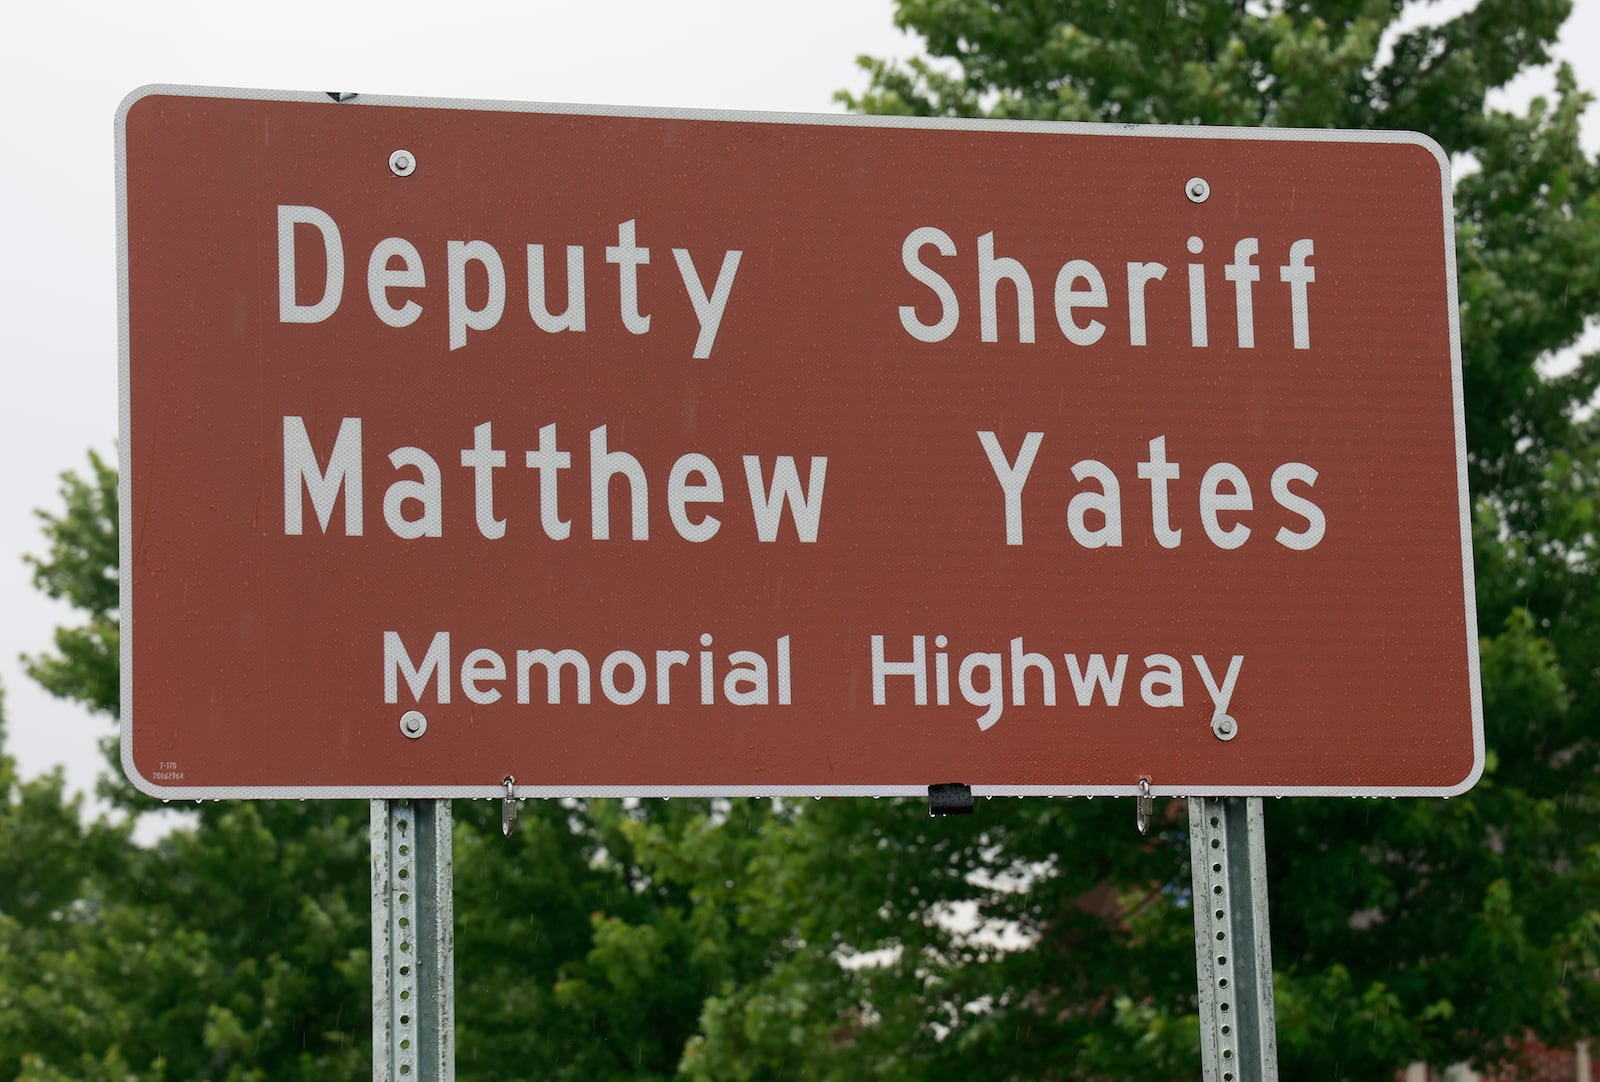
point(1160, 787)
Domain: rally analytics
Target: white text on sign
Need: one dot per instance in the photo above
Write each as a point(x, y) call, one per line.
point(384, 277)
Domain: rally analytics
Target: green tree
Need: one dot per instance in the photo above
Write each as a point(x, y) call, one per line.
point(81, 569)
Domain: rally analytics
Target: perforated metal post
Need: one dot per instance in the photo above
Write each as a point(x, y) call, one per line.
point(413, 942)
point(1232, 942)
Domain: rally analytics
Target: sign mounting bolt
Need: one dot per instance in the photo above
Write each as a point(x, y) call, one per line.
point(1197, 190)
point(1144, 807)
point(402, 163)
point(413, 723)
point(1224, 727)
point(508, 806)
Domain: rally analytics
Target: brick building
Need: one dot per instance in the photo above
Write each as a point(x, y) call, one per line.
point(1539, 1064)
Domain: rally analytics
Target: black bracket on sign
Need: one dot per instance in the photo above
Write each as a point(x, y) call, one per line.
point(949, 798)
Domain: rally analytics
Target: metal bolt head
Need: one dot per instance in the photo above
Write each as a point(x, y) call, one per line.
point(1197, 190)
point(1224, 727)
point(413, 723)
point(402, 163)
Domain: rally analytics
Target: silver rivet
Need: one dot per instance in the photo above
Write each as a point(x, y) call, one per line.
point(1197, 190)
point(413, 723)
point(403, 163)
point(1225, 727)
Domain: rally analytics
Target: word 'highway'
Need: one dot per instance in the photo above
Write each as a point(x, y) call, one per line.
point(983, 677)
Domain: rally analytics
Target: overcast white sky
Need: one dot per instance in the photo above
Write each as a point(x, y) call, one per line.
point(65, 67)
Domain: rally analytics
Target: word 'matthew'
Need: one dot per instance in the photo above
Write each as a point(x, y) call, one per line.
point(413, 506)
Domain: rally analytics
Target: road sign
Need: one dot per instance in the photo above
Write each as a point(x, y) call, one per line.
point(632, 451)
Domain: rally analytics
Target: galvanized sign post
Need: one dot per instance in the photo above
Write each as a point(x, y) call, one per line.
point(1232, 944)
point(413, 942)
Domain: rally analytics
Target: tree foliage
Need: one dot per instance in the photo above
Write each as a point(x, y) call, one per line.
point(81, 569)
point(755, 941)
